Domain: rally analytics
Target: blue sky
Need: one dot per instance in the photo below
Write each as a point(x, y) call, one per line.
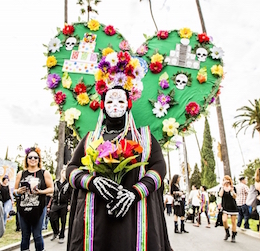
point(25, 112)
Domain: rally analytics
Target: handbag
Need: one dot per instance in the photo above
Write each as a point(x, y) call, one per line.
point(251, 197)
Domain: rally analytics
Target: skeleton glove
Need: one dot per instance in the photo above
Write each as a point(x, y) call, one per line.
point(122, 203)
point(105, 188)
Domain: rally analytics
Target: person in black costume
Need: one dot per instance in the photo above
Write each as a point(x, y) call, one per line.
point(116, 217)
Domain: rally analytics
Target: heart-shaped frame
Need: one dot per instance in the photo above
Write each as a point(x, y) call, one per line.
point(171, 60)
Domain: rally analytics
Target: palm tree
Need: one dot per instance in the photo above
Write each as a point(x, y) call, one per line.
point(250, 117)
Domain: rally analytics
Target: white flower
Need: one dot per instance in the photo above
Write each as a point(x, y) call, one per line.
point(170, 126)
point(138, 72)
point(216, 52)
point(160, 110)
point(54, 45)
point(138, 84)
point(71, 114)
point(112, 58)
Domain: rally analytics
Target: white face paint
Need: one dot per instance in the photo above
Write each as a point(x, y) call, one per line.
point(115, 103)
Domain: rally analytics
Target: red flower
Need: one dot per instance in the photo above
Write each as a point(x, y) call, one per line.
point(162, 34)
point(80, 88)
point(94, 105)
point(129, 71)
point(192, 109)
point(101, 87)
point(156, 67)
point(109, 30)
point(128, 148)
point(59, 98)
point(124, 56)
point(68, 29)
point(203, 37)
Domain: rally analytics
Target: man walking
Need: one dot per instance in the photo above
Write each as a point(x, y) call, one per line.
point(243, 209)
point(195, 201)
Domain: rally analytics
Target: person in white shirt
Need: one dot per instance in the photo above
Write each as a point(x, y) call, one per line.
point(168, 200)
point(195, 201)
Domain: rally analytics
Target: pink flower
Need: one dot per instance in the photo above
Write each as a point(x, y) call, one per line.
point(192, 109)
point(106, 149)
point(109, 30)
point(162, 34)
point(124, 46)
point(59, 98)
point(142, 50)
point(135, 94)
point(101, 87)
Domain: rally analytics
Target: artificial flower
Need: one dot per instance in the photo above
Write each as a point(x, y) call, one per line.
point(157, 58)
point(59, 97)
point(66, 80)
point(106, 51)
point(217, 70)
point(51, 61)
point(138, 84)
point(129, 71)
point(128, 84)
point(156, 67)
point(101, 87)
point(164, 84)
point(93, 25)
point(68, 29)
point(163, 99)
point(121, 66)
point(170, 126)
point(192, 109)
point(124, 46)
point(138, 72)
point(94, 105)
point(120, 79)
point(53, 80)
point(27, 150)
point(160, 110)
point(185, 33)
point(135, 94)
point(202, 75)
point(201, 78)
point(80, 88)
point(110, 30)
point(135, 62)
point(87, 161)
point(124, 56)
point(162, 34)
point(216, 52)
point(106, 148)
point(100, 75)
point(142, 50)
point(104, 66)
point(54, 45)
point(83, 98)
point(212, 100)
point(203, 38)
point(70, 115)
point(112, 58)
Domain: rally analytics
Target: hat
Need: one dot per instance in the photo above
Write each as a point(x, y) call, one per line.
point(5, 177)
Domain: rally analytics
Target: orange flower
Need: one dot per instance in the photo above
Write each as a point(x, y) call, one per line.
point(201, 78)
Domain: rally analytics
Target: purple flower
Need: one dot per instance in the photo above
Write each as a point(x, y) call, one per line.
point(104, 66)
point(106, 149)
point(27, 150)
point(164, 99)
point(164, 84)
point(121, 65)
point(178, 144)
point(53, 80)
point(212, 100)
point(120, 79)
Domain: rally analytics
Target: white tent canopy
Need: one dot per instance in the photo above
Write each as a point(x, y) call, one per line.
point(214, 189)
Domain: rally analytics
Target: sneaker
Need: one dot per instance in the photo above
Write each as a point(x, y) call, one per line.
point(61, 240)
point(54, 236)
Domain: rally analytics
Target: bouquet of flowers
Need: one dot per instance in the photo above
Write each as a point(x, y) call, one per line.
point(112, 160)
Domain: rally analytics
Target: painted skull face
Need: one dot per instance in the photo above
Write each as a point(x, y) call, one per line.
point(115, 103)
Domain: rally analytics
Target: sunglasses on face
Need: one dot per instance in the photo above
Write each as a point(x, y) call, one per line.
point(33, 157)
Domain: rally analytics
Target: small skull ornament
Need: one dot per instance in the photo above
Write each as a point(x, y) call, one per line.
point(70, 43)
point(181, 81)
point(201, 54)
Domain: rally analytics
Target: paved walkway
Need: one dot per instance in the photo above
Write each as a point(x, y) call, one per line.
point(198, 239)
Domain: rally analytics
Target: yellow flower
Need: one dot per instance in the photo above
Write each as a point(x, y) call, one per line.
point(92, 153)
point(66, 80)
point(96, 143)
point(128, 85)
point(134, 62)
point(170, 126)
point(157, 58)
point(51, 61)
point(83, 98)
point(217, 70)
point(100, 75)
point(185, 33)
point(87, 161)
point(93, 25)
point(107, 51)
point(70, 115)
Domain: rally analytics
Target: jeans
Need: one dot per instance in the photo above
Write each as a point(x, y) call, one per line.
point(7, 208)
point(36, 230)
point(169, 209)
point(243, 213)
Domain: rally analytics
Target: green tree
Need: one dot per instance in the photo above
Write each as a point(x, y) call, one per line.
point(208, 176)
point(195, 177)
point(250, 117)
point(249, 171)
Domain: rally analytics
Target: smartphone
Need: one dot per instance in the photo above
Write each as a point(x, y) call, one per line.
point(25, 184)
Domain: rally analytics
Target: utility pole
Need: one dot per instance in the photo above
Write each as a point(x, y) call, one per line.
point(224, 149)
point(169, 165)
point(186, 166)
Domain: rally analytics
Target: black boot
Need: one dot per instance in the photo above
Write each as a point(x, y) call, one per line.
point(233, 238)
point(182, 227)
point(227, 234)
point(176, 231)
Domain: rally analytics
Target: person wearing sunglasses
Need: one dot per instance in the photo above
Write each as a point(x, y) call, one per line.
point(31, 186)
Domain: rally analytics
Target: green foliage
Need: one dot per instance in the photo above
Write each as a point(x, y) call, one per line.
point(208, 176)
point(249, 171)
point(195, 177)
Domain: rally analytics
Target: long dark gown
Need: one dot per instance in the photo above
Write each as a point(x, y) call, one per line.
point(111, 234)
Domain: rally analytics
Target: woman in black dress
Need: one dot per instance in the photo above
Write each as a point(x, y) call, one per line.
point(228, 194)
point(178, 204)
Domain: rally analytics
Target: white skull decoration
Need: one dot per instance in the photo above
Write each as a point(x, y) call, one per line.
point(70, 43)
point(201, 54)
point(181, 81)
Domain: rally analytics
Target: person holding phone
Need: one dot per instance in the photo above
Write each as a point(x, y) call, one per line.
point(31, 187)
point(228, 194)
